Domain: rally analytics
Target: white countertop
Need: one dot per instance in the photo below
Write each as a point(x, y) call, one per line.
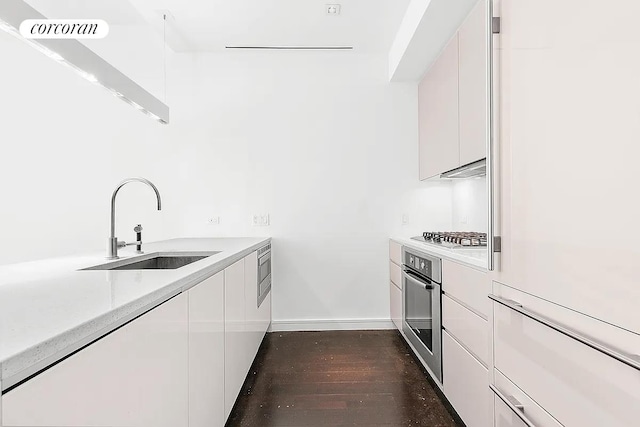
point(49, 309)
point(475, 257)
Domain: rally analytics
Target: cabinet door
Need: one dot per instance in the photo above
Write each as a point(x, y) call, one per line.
point(206, 353)
point(466, 383)
point(467, 327)
point(235, 369)
point(264, 316)
point(568, 154)
point(472, 85)
point(252, 318)
point(576, 384)
point(438, 114)
point(135, 376)
point(395, 299)
point(505, 417)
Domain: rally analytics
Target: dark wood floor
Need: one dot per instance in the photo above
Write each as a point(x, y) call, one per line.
point(341, 378)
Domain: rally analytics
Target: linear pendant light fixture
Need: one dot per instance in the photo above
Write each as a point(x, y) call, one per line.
point(83, 61)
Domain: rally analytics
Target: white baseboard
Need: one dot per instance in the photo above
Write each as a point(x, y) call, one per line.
point(331, 325)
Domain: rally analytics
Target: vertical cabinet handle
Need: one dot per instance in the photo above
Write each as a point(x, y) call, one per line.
point(514, 405)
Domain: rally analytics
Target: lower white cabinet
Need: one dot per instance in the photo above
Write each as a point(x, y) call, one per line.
point(395, 298)
point(467, 327)
point(577, 385)
point(235, 342)
point(466, 383)
point(505, 417)
point(522, 407)
point(135, 376)
point(206, 353)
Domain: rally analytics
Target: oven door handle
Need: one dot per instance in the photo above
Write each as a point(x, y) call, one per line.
point(415, 280)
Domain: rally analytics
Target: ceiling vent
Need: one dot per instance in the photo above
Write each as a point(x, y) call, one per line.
point(291, 47)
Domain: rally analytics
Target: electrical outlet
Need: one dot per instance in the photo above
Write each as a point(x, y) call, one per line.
point(260, 220)
point(405, 218)
point(214, 220)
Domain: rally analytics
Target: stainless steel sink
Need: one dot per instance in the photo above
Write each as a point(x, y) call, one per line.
point(155, 261)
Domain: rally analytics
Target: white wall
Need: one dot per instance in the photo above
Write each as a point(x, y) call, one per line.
point(469, 204)
point(320, 141)
point(66, 143)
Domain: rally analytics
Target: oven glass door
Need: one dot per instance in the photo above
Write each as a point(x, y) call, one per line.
point(422, 319)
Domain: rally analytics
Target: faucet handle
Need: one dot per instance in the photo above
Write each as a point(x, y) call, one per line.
point(137, 228)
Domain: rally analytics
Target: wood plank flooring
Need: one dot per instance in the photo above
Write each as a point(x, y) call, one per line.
point(338, 378)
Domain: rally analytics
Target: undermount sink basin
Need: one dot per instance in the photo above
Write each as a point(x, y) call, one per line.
point(156, 261)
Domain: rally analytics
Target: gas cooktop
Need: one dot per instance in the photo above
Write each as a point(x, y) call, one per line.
point(453, 240)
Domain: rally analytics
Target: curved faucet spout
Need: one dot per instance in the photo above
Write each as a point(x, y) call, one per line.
point(112, 248)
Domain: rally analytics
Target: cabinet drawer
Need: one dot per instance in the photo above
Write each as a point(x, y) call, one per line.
point(466, 383)
point(396, 274)
point(467, 285)
point(577, 385)
point(395, 299)
point(395, 252)
point(467, 327)
point(505, 416)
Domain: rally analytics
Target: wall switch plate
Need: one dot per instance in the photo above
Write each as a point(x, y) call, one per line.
point(214, 220)
point(405, 218)
point(260, 220)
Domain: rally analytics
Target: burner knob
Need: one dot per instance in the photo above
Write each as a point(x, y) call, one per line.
point(422, 265)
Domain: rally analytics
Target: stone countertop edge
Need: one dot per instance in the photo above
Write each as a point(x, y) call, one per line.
point(452, 255)
point(25, 364)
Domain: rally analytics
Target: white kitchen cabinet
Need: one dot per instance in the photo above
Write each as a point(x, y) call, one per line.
point(468, 328)
point(469, 286)
point(396, 273)
point(254, 333)
point(395, 283)
point(472, 85)
point(439, 149)
point(395, 298)
point(206, 353)
point(235, 342)
point(135, 376)
point(395, 252)
point(264, 316)
point(466, 383)
point(577, 385)
point(504, 416)
point(568, 128)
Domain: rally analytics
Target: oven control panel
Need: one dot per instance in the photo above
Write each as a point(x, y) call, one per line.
point(424, 264)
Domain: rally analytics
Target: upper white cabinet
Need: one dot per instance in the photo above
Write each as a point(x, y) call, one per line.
point(135, 376)
point(438, 114)
point(206, 353)
point(453, 100)
point(472, 85)
point(569, 134)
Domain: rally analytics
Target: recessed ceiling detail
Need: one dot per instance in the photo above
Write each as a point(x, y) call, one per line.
point(291, 47)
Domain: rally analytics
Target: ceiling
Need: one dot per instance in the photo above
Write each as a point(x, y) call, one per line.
point(210, 25)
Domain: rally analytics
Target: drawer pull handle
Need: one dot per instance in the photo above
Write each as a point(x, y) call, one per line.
point(628, 359)
point(514, 405)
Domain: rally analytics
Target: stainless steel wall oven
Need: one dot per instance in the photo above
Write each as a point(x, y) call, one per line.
point(422, 306)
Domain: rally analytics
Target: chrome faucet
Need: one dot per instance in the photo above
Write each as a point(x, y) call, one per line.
point(113, 243)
